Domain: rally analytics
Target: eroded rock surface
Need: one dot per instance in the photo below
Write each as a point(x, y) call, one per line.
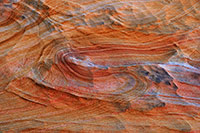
point(100, 66)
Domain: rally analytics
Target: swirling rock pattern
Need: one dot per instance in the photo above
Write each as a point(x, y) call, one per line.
point(100, 66)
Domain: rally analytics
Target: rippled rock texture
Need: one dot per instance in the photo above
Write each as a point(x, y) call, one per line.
point(100, 65)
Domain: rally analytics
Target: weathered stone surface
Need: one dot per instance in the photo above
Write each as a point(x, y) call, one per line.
point(99, 66)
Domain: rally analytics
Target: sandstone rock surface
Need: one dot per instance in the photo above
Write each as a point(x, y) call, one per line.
point(100, 66)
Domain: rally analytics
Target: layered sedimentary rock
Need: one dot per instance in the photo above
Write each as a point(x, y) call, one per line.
point(100, 66)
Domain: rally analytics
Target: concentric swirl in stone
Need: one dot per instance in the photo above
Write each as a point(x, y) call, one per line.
point(91, 79)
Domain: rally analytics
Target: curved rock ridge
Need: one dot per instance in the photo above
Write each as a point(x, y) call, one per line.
point(99, 66)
